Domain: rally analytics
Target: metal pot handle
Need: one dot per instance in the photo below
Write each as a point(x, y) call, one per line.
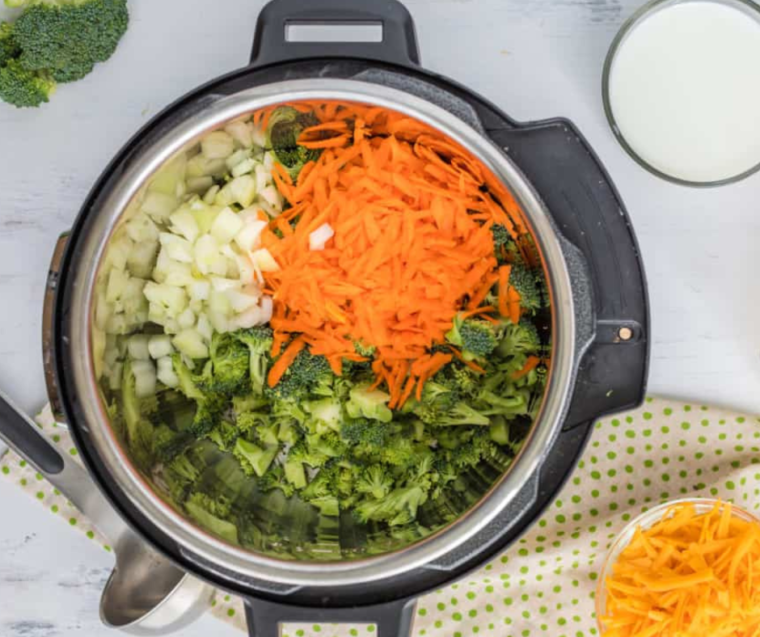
point(392, 620)
point(23, 436)
point(274, 43)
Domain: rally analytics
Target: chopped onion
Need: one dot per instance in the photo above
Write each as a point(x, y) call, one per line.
point(184, 223)
point(319, 238)
point(267, 309)
point(241, 132)
point(199, 290)
point(249, 236)
point(218, 145)
point(186, 320)
point(240, 301)
point(159, 206)
point(244, 167)
point(264, 260)
point(159, 346)
point(191, 343)
point(204, 327)
point(166, 373)
point(249, 318)
point(226, 225)
point(137, 346)
point(145, 378)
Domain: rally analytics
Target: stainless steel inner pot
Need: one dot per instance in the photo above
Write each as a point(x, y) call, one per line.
point(570, 337)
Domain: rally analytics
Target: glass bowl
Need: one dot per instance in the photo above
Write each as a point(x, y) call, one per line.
point(749, 7)
point(645, 521)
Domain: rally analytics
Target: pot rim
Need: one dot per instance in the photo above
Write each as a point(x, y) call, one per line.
point(438, 547)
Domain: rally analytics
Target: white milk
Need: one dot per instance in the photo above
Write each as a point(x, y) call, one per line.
point(685, 90)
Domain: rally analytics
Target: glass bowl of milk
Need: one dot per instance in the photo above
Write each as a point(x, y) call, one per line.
point(682, 89)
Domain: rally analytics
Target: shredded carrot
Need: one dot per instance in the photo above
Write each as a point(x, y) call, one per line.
point(690, 575)
point(530, 365)
point(284, 361)
point(411, 214)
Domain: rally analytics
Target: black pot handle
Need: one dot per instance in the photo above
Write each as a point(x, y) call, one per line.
point(392, 620)
point(397, 43)
point(588, 212)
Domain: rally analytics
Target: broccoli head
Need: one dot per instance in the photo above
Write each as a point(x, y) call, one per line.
point(399, 507)
point(226, 372)
point(369, 403)
point(24, 88)
point(259, 342)
point(519, 339)
point(254, 460)
point(67, 38)
point(375, 481)
point(9, 48)
point(505, 247)
point(305, 374)
point(285, 127)
point(477, 338)
point(530, 286)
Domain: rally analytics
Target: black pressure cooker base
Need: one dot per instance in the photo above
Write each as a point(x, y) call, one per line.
point(587, 212)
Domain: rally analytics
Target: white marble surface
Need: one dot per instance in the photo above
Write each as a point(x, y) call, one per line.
point(534, 58)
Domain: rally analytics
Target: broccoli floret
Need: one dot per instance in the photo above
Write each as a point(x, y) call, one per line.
point(68, 37)
point(460, 414)
point(226, 372)
point(294, 470)
point(505, 247)
point(24, 88)
point(477, 338)
point(468, 448)
point(207, 416)
point(253, 459)
point(366, 436)
point(168, 444)
point(9, 48)
point(259, 342)
point(369, 403)
point(275, 479)
point(224, 435)
point(186, 382)
point(519, 339)
point(325, 415)
point(375, 481)
point(305, 373)
point(285, 127)
point(210, 513)
point(327, 505)
point(529, 285)
point(397, 508)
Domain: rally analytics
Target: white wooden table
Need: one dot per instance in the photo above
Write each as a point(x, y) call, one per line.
point(534, 58)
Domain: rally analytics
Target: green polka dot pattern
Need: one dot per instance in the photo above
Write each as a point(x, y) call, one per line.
point(543, 586)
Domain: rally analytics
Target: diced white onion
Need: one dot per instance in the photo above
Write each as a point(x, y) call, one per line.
point(210, 196)
point(166, 372)
point(199, 290)
point(158, 205)
point(206, 253)
point(267, 309)
point(319, 238)
point(138, 347)
point(226, 225)
point(177, 248)
point(244, 167)
point(159, 346)
point(240, 301)
point(272, 196)
point(241, 133)
point(249, 236)
point(264, 260)
point(191, 343)
point(204, 327)
point(145, 378)
point(184, 223)
point(186, 320)
point(218, 145)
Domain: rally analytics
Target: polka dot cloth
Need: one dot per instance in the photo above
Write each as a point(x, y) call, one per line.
point(543, 586)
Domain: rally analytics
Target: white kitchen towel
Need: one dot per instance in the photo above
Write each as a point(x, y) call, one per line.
point(544, 585)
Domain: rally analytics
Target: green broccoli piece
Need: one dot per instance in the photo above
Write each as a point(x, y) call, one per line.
point(253, 459)
point(275, 479)
point(477, 338)
point(397, 508)
point(285, 127)
point(9, 48)
point(259, 342)
point(210, 513)
point(364, 436)
point(224, 435)
point(375, 481)
point(226, 372)
point(210, 410)
point(294, 470)
point(505, 247)
point(24, 88)
point(186, 382)
point(530, 286)
point(369, 403)
point(68, 37)
point(304, 375)
point(327, 505)
point(168, 444)
point(522, 338)
point(462, 414)
point(325, 415)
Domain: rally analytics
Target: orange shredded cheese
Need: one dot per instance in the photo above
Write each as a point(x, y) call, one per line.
point(689, 575)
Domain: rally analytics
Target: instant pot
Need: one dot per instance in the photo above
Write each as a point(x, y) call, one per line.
point(599, 312)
